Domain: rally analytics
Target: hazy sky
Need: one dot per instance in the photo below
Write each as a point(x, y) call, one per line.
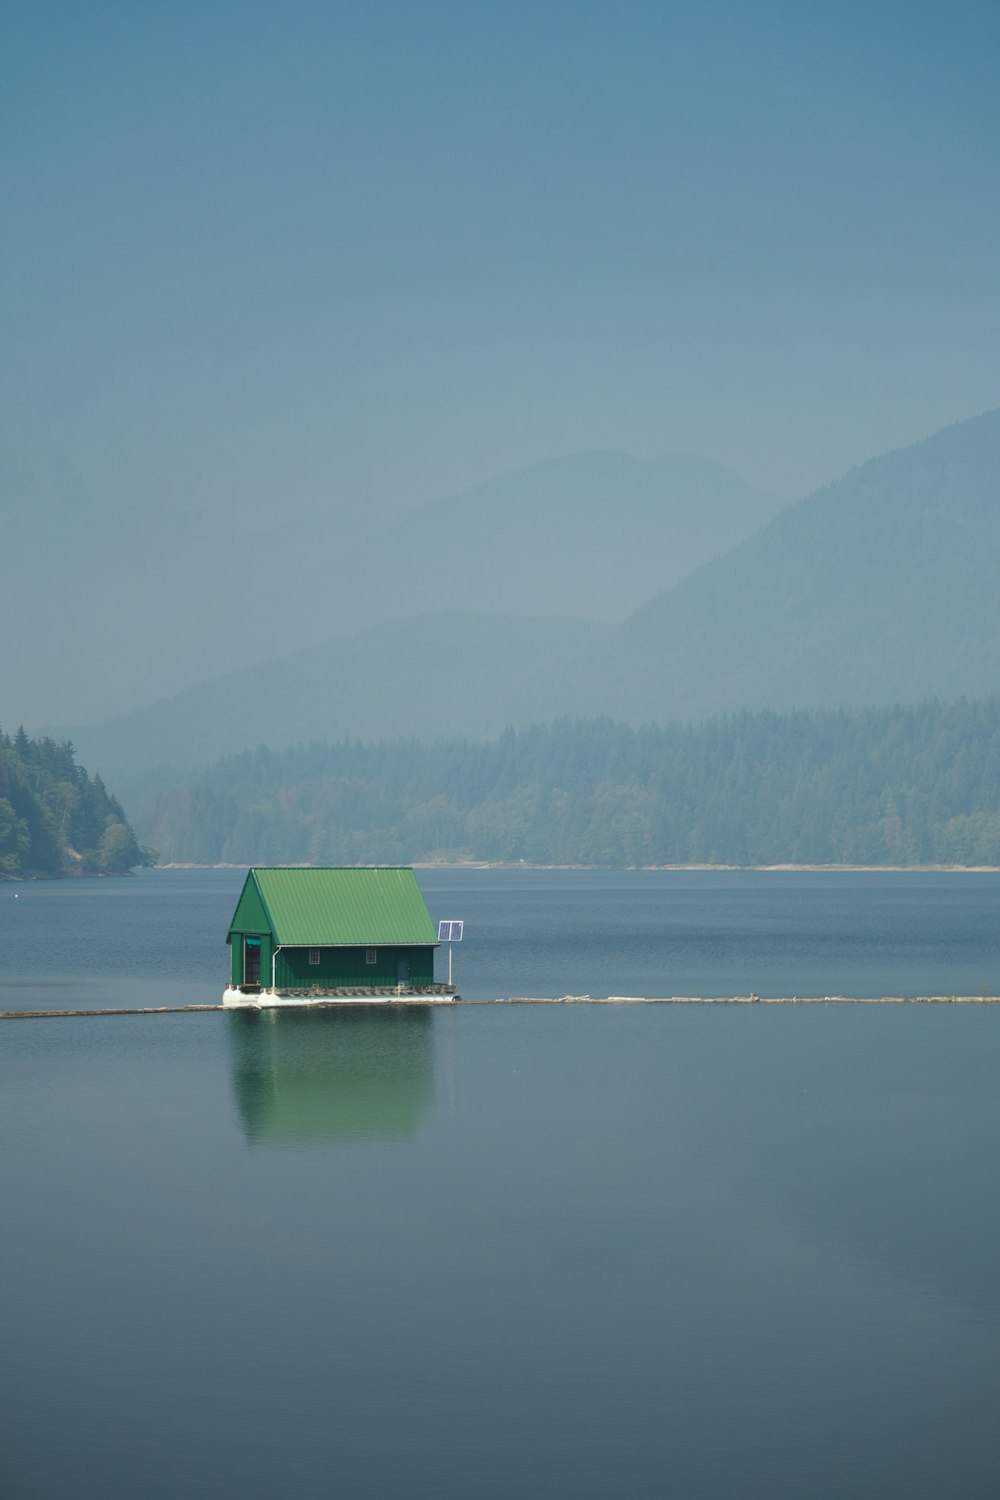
point(282, 256)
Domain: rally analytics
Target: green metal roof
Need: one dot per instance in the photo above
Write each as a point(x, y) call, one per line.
point(345, 908)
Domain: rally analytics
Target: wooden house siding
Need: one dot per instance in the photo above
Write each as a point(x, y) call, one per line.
point(342, 968)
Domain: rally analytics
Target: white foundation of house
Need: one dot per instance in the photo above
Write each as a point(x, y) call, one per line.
point(241, 999)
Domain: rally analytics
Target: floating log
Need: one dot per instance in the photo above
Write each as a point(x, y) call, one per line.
point(145, 1010)
point(177, 1010)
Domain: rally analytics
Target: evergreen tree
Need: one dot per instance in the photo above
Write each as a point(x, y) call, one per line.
point(54, 819)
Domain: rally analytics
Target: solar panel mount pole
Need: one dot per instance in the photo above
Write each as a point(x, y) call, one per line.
point(450, 933)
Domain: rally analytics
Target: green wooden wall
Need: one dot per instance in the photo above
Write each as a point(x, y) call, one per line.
point(339, 968)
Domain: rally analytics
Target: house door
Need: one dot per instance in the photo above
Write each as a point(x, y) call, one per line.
point(402, 969)
point(251, 960)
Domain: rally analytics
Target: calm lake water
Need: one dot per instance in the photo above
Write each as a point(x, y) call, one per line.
point(494, 1251)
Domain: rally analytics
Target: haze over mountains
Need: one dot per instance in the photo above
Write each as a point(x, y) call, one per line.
point(881, 588)
point(430, 677)
point(161, 599)
point(591, 535)
point(282, 285)
point(877, 589)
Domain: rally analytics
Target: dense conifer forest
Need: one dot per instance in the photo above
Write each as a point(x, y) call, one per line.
point(57, 820)
point(901, 786)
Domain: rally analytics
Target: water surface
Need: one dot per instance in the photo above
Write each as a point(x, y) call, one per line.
point(695, 1251)
point(159, 938)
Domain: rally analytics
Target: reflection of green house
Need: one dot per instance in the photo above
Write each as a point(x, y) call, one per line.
point(315, 1075)
point(307, 935)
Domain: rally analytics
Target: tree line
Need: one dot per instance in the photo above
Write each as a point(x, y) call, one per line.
point(55, 819)
point(899, 786)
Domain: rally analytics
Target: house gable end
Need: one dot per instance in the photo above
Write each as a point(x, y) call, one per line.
point(251, 914)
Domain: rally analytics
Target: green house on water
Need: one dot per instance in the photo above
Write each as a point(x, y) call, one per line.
point(301, 936)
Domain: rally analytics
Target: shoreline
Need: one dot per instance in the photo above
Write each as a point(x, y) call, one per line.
point(477, 864)
point(787, 869)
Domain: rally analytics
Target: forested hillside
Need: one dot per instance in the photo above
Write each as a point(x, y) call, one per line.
point(898, 786)
point(55, 819)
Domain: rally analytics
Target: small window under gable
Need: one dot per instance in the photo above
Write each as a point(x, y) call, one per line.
point(314, 955)
point(371, 955)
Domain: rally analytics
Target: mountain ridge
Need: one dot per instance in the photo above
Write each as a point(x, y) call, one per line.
point(847, 598)
point(876, 589)
point(586, 534)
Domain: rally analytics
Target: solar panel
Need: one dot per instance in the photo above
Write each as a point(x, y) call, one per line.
point(450, 932)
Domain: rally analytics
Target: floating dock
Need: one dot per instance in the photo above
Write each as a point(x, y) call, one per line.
point(257, 997)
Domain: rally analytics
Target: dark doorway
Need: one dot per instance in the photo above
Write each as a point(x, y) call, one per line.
point(402, 969)
point(251, 961)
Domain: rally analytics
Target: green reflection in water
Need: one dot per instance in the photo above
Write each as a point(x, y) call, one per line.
point(354, 1074)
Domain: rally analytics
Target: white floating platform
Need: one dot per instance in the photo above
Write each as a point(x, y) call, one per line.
point(237, 999)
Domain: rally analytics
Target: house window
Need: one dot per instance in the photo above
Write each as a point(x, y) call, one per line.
point(371, 955)
point(314, 955)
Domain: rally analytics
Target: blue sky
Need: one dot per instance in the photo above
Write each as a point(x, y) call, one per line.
point(271, 258)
